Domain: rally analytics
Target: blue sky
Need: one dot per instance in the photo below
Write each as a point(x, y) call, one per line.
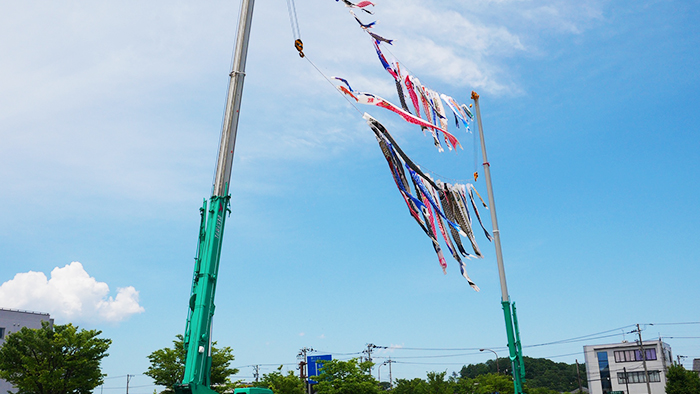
point(109, 121)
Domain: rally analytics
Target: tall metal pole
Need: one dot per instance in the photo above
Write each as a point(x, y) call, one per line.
point(128, 379)
point(508, 308)
point(197, 338)
point(489, 188)
point(391, 378)
point(578, 376)
point(644, 359)
point(233, 102)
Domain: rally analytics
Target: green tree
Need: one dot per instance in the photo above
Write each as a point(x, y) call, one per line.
point(437, 383)
point(539, 373)
point(681, 381)
point(493, 382)
point(346, 377)
point(168, 366)
point(413, 386)
point(282, 384)
point(53, 359)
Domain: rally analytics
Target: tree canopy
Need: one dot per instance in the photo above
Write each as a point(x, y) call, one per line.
point(436, 384)
point(53, 359)
point(282, 384)
point(682, 381)
point(539, 373)
point(346, 377)
point(168, 366)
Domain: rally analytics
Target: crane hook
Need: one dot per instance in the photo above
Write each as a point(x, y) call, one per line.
point(299, 46)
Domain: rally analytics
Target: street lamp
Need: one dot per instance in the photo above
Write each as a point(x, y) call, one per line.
point(498, 369)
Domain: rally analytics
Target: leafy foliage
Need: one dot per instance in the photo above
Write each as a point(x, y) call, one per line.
point(436, 384)
point(682, 381)
point(539, 373)
point(53, 359)
point(168, 366)
point(413, 386)
point(346, 377)
point(283, 384)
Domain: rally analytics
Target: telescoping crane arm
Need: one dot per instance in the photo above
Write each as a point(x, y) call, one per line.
point(197, 340)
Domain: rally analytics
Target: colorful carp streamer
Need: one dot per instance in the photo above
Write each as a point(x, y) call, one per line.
point(361, 5)
point(373, 99)
point(440, 209)
point(430, 201)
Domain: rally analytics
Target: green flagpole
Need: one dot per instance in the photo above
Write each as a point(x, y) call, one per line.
point(511, 320)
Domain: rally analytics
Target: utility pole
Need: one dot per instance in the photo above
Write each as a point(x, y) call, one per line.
point(370, 347)
point(509, 312)
point(379, 376)
point(389, 361)
point(128, 378)
point(627, 380)
point(391, 380)
point(578, 374)
point(644, 359)
point(302, 354)
point(256, 372)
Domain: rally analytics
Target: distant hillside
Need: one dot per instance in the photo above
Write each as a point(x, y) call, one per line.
point(539, 372)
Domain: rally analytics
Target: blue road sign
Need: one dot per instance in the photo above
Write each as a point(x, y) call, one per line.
point(314, 364)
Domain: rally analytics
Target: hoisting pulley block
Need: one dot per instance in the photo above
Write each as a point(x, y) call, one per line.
point(299, 46)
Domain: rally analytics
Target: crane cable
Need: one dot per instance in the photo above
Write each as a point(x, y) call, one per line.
point(292, 10)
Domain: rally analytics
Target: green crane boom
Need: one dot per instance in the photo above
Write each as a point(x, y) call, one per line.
point(197, 340)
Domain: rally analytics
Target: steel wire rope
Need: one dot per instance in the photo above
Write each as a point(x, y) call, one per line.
point(293, 20)
point(334, 87)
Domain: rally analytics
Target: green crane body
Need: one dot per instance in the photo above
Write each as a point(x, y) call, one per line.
point(514, 347)
point(197, 338)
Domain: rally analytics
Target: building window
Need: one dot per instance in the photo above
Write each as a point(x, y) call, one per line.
point(638, 377)
point(2, 332)
point(604, 367)
point(622, 356)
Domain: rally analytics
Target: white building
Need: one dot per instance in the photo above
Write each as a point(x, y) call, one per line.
point(13, 321)
point(618, 368)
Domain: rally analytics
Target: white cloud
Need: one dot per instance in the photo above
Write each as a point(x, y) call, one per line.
point(390, 349)
point(125, 101)
point(70, 294)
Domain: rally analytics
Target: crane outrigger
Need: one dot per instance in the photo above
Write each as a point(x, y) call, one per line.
point(197, 339)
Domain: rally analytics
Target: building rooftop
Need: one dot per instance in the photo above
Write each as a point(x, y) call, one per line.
point(22, 311)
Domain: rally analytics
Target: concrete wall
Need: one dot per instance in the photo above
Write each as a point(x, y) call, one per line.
point(593, 372)
point(12, 321)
